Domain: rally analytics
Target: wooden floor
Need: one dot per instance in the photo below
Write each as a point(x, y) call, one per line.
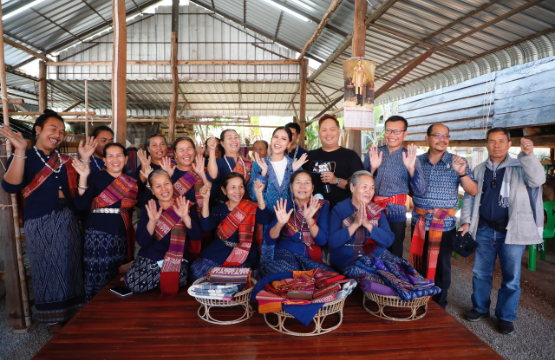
point(146, 326)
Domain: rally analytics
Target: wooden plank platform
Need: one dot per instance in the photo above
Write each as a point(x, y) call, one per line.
point(147, 326)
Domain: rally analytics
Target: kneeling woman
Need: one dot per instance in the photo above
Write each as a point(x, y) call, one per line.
point(358, 227)
point(234, 219)
point(300, 228)
point(166, 227)
point(110, 195)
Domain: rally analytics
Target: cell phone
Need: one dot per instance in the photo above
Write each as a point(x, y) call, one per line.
point(121, 291)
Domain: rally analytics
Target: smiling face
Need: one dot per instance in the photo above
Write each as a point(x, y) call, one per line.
point(280, 140)
point(302, 187)
point(231, 142)
point(157, 148)
point(162, 187)
point(364, 190)
point(51, 134)
point(395, 141)
point(234, 190)
point(115, 160)
point(498, 146)
point(185, 153)
point(329, 133)
point(260, 148)
point(104, 137)
point(439, 145)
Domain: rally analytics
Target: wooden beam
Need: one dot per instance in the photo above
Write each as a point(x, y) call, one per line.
point(37, 113)
point(26, 49)
point(86, 109)
point(42, 87)
point(542, 141)
point(16, 101)
point(295, 110)
point(334, 5)
point(302, 105)
point(119, 72)
point(180, 62)
point(74, 105)
point(175, 76)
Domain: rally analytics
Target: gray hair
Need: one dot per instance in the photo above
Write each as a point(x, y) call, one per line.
point(354, 179)
point(155, 173)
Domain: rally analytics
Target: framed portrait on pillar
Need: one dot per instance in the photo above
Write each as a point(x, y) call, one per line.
point(358, 100)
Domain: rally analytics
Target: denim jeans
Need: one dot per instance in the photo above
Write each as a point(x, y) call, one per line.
point(491, 244)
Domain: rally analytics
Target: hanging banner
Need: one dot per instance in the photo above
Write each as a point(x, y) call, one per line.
point(358, 101)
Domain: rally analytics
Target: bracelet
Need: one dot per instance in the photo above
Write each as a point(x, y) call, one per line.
point(463, 175)
point(261, 203)
point(82, 187)
point(314, 223)
point(84, 160)
point(21, 157)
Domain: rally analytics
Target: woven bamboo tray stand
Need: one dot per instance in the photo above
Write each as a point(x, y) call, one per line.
point(330, 308)
point(394, 301)
point(239, 299)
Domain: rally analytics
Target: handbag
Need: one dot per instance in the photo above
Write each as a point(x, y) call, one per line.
point(464, 245)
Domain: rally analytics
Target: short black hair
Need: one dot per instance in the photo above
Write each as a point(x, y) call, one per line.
point(430, 128)
point(153, 136)
point(264, 141)
point(42, 119)
point(499, 129)
point(229, 176)
point(100, 128)
point(396, 118)
point(286, 129)
point(114, 144)
point(294, 125)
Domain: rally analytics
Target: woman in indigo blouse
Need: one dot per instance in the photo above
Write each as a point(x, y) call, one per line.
point(358, 227)
point(299, 230)
point(233, 245)
point(48, 182)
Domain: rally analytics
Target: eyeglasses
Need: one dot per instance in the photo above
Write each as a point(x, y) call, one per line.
point(441, 136)
point(396, 131)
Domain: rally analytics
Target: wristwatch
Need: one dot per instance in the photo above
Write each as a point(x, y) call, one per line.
point(337, 181)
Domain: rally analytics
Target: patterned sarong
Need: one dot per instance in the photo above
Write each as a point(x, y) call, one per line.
point(298, 224)
point(123, 188)
point(399, 199)
point(169, 274)
point(45, 172)
point(434, 237)
point(241, 218)
point(373, 213)
point(181, 187)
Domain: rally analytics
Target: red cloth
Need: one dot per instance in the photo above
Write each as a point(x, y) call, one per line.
point(242, 218)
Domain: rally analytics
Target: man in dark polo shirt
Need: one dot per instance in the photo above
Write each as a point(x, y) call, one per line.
point(346, 162)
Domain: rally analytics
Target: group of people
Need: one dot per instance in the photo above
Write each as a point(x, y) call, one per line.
point(211, 206)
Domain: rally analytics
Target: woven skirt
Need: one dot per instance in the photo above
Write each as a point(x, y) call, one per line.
point(286, 260)
point(55, 250)
point(144, 275)
point(103, 255)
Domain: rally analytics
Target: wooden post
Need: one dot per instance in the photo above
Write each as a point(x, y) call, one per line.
point(358, 50)
point(17, 300)
point(302, 106)
point(42, 87)
point(87, 109)
point(119, 73)
point(175, 78)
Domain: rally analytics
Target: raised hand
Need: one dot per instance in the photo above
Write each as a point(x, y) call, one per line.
point(17, 140)
point(527, 146)
point(152, 212)
point(459, 165)
point(146, 171)
point(86, 150)
point(212, 143)
point(200, 147)
point(166, 164)
point(205, 193)
point(259, 190)
point(409, 159)
point(143, 158)
point(361, 215)
point(280, 209)
point(181, 208)
point(200, 169)
point(82, 168)
point(261, 163)
point(300, 162)
point(375, 158)
point(311, 208)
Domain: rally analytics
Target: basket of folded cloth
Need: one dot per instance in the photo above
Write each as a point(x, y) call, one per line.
point(393, 284)
point(224, 287)
point(308, 296)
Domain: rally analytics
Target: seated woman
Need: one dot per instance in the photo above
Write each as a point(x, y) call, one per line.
point(109, 195)
point(234, 219)
point(357, 226)
point(300, 228)
point(166, 227)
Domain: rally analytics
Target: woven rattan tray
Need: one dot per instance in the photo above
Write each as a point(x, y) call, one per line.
point(394, 301)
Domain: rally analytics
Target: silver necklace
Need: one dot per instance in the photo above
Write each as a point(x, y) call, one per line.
point(229, 166)
point(296, 150)
point(45, 163)
point(94, 160)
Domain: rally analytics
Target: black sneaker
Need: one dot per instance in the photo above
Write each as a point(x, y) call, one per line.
point(506, 327)
point(474, 315)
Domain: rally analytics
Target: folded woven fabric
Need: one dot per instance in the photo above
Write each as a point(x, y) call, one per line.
point(214, 292)
point(212, 297)
point(223, 275)
point(326, 298)
point(222, 287)
point(324, 277)
point(326, 290)
point(301, 293)
point(346, 289)
point(268, 302)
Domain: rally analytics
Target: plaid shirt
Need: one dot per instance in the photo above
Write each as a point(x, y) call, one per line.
point(442, 189)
